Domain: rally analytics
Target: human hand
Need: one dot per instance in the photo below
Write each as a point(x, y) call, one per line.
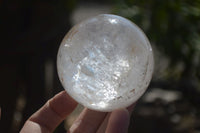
point(47, 118)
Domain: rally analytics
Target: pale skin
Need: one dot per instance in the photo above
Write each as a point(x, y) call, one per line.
point(48, 117)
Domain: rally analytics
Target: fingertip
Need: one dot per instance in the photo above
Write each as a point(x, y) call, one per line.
point(123, 111)
point(62, 104)
point(121, 114)
point(119, 121)
point(88, 121)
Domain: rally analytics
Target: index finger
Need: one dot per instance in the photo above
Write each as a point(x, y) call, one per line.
point(47, 118)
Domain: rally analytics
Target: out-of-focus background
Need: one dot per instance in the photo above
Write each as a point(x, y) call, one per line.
point(30, 34)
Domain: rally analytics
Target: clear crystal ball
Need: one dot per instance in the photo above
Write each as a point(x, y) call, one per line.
point(105, 62)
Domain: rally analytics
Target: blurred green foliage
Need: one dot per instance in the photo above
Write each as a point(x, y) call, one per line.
point(173, 26)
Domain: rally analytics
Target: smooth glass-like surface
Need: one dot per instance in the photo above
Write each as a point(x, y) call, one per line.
point(105, 62)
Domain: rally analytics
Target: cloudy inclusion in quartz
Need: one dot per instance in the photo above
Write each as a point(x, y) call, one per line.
point(105, 62)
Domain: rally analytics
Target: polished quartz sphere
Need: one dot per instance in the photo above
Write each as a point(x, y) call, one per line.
point(105, 62)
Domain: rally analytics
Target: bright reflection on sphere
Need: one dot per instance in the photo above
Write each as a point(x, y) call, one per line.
point(105, 62)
